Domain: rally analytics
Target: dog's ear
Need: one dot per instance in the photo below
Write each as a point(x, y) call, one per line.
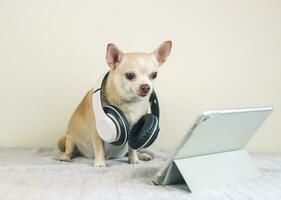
point(113, 55)
point(163, 51)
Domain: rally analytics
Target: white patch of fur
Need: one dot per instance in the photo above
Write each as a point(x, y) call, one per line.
point(141, 62)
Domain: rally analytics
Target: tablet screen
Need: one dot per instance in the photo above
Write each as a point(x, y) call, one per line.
point(221, 131)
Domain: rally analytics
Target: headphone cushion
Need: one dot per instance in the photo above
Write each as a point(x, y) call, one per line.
point(121, 123)
point(144, 132)
point(153, 138)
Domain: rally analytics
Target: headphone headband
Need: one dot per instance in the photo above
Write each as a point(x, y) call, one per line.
point(154, 105)
point(99, 83)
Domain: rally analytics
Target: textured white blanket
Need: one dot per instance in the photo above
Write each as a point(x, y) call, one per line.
point(36, 174)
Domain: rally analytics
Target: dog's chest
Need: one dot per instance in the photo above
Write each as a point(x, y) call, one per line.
point(134, 110)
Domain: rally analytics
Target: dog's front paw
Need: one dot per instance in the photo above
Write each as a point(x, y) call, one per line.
point(144, 156)
point(99, 164)
point(135, 161)
point(65, 158)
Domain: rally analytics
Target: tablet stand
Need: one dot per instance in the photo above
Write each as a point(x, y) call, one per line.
point(203, 172)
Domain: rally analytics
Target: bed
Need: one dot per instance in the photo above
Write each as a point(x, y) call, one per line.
point(35, 173)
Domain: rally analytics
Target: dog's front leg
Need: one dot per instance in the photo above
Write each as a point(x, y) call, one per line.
point(133, 156)
point(99, 150)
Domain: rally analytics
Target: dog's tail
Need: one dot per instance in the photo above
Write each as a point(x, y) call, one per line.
point(61, 144)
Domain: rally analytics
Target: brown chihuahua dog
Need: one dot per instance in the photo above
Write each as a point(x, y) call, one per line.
point(128, 87)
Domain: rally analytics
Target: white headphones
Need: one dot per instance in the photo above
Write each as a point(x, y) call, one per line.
point(113, 127)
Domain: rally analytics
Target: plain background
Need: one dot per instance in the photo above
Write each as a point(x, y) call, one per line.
point(226, 54)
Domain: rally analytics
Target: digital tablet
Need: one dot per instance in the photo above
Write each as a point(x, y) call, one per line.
point(215, 132)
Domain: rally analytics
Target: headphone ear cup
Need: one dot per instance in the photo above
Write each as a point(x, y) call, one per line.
point(144, 132)
point(121, 123)
point(153, 138)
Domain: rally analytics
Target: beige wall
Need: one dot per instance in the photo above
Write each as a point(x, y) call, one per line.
point(226, 54)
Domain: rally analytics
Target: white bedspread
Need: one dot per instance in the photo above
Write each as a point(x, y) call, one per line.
point(35, 174)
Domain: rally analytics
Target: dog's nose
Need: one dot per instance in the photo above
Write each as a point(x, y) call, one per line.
point(145, 88)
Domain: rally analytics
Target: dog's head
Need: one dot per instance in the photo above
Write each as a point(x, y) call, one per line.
point(134, 74)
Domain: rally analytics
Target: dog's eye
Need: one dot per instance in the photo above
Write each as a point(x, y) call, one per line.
point(153, 75)
point(130, 75)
